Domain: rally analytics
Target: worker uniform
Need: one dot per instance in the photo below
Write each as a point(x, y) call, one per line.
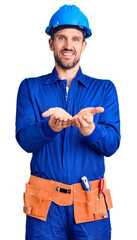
point(68, 155)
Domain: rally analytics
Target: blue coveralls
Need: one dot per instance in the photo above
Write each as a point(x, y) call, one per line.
point(68, 155)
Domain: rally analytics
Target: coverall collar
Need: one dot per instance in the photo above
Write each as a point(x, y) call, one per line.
point(54, 77)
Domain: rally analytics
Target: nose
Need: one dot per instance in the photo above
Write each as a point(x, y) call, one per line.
point(68, 44)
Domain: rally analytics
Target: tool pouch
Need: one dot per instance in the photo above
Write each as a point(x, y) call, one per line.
point(36, 202)
point(88, 207)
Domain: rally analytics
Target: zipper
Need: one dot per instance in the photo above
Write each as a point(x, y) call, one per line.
point(66, 95)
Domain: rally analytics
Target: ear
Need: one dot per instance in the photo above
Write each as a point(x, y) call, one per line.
point(84, 44)
point(51, 44)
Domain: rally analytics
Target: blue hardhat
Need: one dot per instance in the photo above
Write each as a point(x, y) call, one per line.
point(69, 16)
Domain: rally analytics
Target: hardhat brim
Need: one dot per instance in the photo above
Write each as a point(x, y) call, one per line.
point(50, 31)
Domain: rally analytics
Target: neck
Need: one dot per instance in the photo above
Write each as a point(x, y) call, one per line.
point(68, 74)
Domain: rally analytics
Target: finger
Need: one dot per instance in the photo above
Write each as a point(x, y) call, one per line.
point(96, 110)
point(63, 124)
point(53, 120)
point(69, 122)
point(77, 123)
point(82, 122)
point(64, 121)
point(73, 122)
point(88, 119)
point(58, 116)
point(48, 112)
point(66, 124)
point(61, 118)
point(58, 123)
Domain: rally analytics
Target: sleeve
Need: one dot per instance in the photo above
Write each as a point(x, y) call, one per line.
point(105, 139)
point(30, 134)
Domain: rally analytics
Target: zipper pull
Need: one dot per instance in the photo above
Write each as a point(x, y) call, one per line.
point(67, 89)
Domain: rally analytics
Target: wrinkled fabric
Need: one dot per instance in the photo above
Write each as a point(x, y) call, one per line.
point(68, 155)
point(60, 225)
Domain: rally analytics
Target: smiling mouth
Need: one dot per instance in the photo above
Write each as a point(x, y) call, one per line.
point(67, 53)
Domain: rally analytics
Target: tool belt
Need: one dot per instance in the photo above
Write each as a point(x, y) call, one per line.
point(87, 204)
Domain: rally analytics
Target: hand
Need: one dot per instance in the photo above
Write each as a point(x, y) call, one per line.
point(59, 118)
point(84, 120)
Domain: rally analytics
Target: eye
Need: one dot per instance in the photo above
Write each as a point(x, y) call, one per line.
point(61, 38)
point(76, 39)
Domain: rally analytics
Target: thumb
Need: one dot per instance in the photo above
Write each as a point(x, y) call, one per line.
point(97, 110)
point(48, 112)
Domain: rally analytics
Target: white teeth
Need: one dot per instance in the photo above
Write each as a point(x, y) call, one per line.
point(67, 54)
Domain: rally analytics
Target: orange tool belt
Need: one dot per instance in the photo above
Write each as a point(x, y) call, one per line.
point(87, 204)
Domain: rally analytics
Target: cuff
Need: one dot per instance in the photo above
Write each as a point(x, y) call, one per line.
point(92, 138)
point(49, 133)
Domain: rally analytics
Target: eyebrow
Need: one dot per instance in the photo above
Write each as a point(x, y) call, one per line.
point(75, 36)
point(60, 35)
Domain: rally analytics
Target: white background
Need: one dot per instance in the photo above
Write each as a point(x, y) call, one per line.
point(111, 54)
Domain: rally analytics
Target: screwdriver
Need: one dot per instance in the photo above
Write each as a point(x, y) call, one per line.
point(101, 187)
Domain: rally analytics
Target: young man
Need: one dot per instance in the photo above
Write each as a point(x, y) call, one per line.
point(69, 121)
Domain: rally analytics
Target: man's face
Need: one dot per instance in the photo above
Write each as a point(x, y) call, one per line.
point(67, 46)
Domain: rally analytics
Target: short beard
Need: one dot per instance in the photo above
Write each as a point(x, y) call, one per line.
point(68, 66)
